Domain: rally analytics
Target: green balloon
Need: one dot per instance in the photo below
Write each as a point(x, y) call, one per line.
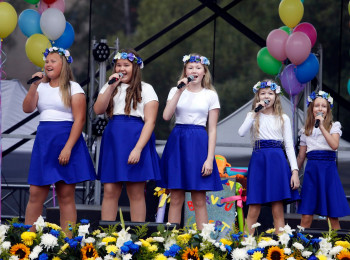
point(286, 29)
point(267, 63)
point(33, 2)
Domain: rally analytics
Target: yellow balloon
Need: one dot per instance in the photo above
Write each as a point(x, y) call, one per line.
point(291, 12)
point(35, 47)
point(8, 19)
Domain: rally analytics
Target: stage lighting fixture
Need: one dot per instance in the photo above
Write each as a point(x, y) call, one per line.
point(98, 126)
point(101, 52)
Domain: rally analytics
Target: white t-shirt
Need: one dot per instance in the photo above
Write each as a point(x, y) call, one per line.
point(50, 103)
point(270, 129)
point(147, 94)
point(193, 107)
point(316, 140)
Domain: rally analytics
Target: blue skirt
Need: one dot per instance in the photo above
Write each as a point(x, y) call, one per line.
point(118, 140)
point(322, 191)
point(268, 178)
point(44, 167)
point(184, 154)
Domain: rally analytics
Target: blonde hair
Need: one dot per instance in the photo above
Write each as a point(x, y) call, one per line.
point(310, 119)
point(206, 81)
point(133, 92)
point(66, 76)
point(277, 110)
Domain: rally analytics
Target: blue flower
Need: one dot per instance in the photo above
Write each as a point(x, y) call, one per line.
point(128, 243)
point(312, 258)
point(55, 233)
point(131, 56)
point(134, 248)
point(250, 251)
point(315, 241)
point(84, 221)
point(78, 238)
point(192, 59)
point(173, 250)
point(124, 55)
point(303, 238)
point(124, 249)
point(236, 237)
point(263, 84)
point(313, 95)
point(43, 256)
point(139, 61)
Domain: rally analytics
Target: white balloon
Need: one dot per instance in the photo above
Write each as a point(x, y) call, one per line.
point(52, 23)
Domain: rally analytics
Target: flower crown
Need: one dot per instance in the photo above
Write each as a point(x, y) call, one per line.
point(267, 84)
point(203, 60)
point(321, 94)
point(60, 51)
point(130, 56)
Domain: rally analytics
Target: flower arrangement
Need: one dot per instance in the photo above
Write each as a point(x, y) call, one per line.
point(117, 242)
point(201, 59)
point(321, 94)
point(129, 56)
point(63, 52)
point(267, 84)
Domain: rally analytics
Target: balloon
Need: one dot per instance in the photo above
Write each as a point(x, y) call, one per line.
point(286, 29)
point(349, 7)
point(289, 81)
point(8, 19)
point(308, 69)
point(35, 47)
point(49, 1)
point(29, 22)
point(298, 47)
point(59, 4)
point(349, 86)
point(33, 2)
point(291, 12)
point(275, 42)
point(267, 63)
point(67, 38)
point(309, 30)
point(52, 23)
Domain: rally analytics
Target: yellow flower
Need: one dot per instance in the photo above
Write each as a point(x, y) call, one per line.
point(145, 243)
point(109, 240)
point(53, 226)
point(209, 256)
point(153, 248)
point(190, 253)
point(322, 257)
point(344, 244)
point(275, 252)
point(28, 237)
point(150, 239)
point(184, 238)
point(115, 234)
point(96, 232)
point(270, 231)
point(160, 257)
point(265, 239)
point(257, 255)
point(63, 248)
point(226, 241)
point(111, 248)
point(343, 255)
point(88, 251)
point(56, 258)
point(20, 250)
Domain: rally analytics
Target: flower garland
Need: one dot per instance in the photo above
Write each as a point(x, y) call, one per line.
point(267, 84)
point(129, 56)
point(200, 59)
point(63, 52)
point(321, 94)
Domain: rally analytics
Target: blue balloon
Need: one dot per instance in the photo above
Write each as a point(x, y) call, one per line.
point(67, 38)
point(29, 22)
point(308, 69)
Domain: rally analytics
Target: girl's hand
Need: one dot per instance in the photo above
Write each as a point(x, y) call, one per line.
point(134, 156)
point(294, 181)
point(64, 156)
point(117, 76)
point(185, 81)
point(320, 117)
point(261, 103)
point(40, 75)
point(207, 168)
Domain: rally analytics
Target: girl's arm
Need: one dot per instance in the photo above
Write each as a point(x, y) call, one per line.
point(207, 168)
point(247, 124)
point(79, 116)
point(332, 139)
point(171, 104)
point(31, 100)
point(150, 110)
point(301, 156)
point(102, 101)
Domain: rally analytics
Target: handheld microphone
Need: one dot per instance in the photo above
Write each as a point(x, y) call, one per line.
point(182, 84)
point(32, 80)
point(317, 123)
point(258, 108)
point(114, 79)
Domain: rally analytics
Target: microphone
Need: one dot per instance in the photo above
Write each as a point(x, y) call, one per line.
point(182, 84)
point(258, 108)
point(317, 123)
point(114, 79)
point(32, 80)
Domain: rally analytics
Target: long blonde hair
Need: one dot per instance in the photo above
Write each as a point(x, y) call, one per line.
point(310, 119)
point(133, 92)
point(277, 110)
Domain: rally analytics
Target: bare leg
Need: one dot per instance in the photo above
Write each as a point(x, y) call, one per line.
point(136, 194)
point(176, 203)
point(252, 218)
point(278, 215)
point(306, 221)
point(334, 223)
point(37, 196)
point(111, 194)
point(200, 208)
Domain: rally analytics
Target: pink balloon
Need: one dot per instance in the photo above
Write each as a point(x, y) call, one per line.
point(298, 47)
point(275, 42)
point(309, 30)
point(59, 4)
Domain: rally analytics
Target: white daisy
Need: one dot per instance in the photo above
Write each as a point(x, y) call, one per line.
point(48, 241)
point(298, 246)
point(239, 254)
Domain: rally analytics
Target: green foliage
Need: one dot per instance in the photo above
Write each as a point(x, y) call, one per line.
point(140, 231)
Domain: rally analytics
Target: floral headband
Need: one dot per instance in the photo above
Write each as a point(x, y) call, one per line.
point(203, 60)
point(267, 84)
point(63, 52)
point(130, 56)
point(321, 94)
